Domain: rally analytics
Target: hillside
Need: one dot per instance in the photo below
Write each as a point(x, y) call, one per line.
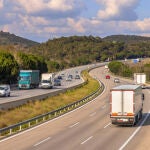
point(79, 50)
point(10, 39)
point(127, 38)
point(65, 52)
point(71, 51)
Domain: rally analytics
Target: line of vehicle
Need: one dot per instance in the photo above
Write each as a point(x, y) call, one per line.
point(135, 132)
point(87, 140)
point(74, 125)
point(42, 141)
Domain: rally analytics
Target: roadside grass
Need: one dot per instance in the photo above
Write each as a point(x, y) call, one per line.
point(39, 107)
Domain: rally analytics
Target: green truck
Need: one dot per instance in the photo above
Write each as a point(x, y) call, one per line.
point(28, 79)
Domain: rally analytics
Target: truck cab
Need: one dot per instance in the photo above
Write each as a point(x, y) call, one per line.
point(28, 79)
point(47, 80)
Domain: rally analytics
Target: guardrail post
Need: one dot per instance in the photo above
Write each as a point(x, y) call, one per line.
point(10, 131)
point(20, 128)
point(29, 124)
point(43, 118)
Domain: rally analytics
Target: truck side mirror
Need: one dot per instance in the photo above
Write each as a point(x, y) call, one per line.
point(142, 96)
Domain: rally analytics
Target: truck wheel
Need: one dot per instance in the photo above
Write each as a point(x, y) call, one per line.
point(136, 120)
point(141, 114)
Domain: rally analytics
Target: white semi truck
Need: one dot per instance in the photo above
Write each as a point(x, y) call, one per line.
point(140, 78)
point(126, 104)
point(47, 80)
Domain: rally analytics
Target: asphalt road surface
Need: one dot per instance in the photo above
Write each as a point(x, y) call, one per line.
point(87, 128)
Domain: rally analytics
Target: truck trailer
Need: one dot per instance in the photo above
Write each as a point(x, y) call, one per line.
point(47, 80)
point(28, 79)
point(140, 78)
point(126, 104)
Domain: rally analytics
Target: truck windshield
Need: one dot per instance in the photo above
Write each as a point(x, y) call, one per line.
point(45, 81)
point(25, 78)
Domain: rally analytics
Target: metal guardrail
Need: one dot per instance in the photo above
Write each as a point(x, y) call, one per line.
point(13, 129)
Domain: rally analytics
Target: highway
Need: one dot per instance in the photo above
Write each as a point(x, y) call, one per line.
point(87, 128)
point(19, 97)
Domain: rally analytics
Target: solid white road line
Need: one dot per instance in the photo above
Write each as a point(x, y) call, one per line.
point(135, 132)
point(107, 125)
point(87, 140)
point(42, 141)
point(74, 125)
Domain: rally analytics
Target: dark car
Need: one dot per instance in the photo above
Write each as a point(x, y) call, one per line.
point(57, 82)
point(70, 76)
point(59, 77)
point(77, 76)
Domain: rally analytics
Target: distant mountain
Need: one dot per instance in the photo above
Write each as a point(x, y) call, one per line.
point(10, 39)
point(127, 38)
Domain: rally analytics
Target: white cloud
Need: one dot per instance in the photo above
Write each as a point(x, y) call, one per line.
point(76, 25)
point(43, 19)
point(48, 6)
point(1, 3)
point(117, 9)
point(144, 25)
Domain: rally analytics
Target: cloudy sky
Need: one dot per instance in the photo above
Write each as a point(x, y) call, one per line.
point(40, 20)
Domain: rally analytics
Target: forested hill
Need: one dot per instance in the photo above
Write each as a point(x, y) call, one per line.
point(79, 50)
point(10, 39)
point(127, 38)
point(65, 52)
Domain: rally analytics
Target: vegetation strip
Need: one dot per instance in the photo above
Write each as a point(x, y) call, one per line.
point(63, 103)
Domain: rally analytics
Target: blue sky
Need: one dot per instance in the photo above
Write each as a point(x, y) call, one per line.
point(40, 20)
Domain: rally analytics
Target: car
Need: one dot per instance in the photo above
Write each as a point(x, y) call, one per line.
point(69, 78)
point(77, 76)
point(106, 66)
point(5, 90)
point(76, 71)
point(116, 80)
point(57, 82)
point(107, 76)
point(59, 77)
point(62, 74)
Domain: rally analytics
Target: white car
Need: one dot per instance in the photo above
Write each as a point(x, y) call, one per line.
point(4, 90)
point(69, 78)
point(116, 80)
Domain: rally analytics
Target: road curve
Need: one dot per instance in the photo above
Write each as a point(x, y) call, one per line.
point(88, 127)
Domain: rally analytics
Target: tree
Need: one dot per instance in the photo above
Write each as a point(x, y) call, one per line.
point(8, 68)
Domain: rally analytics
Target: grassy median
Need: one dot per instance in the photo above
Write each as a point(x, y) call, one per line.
point(36, 108)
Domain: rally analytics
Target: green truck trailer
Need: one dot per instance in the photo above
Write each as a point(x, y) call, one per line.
point(28, 79)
